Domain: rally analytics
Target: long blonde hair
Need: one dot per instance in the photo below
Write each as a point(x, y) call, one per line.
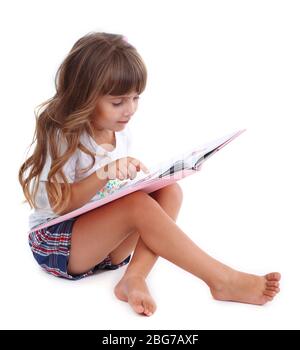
point(99, 63)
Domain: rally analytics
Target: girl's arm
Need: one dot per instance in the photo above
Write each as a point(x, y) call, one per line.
point(82, 191)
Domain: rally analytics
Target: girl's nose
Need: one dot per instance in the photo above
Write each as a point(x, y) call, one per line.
point(130, 108)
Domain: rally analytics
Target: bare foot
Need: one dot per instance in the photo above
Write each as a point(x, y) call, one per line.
point(134, 290)
point(245, 288)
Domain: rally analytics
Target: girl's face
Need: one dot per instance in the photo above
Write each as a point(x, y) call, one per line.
point(114, 112)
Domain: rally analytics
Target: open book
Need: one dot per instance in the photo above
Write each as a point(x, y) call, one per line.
point(159, 176)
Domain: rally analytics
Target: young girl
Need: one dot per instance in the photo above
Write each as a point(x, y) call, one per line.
point(82, 152)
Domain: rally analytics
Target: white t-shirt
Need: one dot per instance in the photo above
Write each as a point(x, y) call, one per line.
point(72, 167)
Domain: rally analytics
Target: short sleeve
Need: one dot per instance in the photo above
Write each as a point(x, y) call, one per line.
point(69, 168)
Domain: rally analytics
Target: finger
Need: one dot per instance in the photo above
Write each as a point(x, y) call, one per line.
point(144, 168)
point(121, 175)
point(139, 165)
point(114, 171)
point(111, 170)
point(132, 171)
point(122, 172)
point(123, 166)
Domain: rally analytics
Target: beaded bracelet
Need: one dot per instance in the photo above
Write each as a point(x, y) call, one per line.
point(110, 187)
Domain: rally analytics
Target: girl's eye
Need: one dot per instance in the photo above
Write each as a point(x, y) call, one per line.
point(119, 103)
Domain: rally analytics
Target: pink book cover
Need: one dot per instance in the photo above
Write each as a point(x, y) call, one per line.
point(165, 174)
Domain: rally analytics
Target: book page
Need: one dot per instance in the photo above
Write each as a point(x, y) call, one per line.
point(191, 159)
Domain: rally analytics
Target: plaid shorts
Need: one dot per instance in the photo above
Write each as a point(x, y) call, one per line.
point(51, 248)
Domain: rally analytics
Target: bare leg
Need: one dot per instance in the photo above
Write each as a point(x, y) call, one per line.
point(102, 231)
point(132, 287)
point(170, 199)
point(98, 232)
point(169, 241)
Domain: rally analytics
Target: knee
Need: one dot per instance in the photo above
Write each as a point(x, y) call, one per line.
point(173, 192)
point(138, 203)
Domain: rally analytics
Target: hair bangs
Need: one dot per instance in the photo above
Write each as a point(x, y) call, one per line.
point(124, 75)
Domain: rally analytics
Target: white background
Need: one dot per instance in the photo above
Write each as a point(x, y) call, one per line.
point(214, 67)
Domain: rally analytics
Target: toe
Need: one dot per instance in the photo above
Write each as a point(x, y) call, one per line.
point(273, 284)
point(137, 305)
point(153, 309)
point(274, 289)
point(138, 308)
point(148, 308)
point(273, 276)
point(147, 312)
point(269, 293)
point(268, 298)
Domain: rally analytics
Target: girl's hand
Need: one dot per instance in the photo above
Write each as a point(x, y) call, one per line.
point(122, 169)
